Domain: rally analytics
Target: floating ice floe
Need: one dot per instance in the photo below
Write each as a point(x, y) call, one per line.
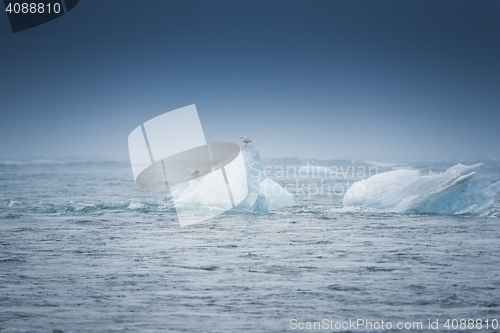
point(261, 196)
point(266, 194)
point(458, 190)
point(275, 194)
point(204, 179)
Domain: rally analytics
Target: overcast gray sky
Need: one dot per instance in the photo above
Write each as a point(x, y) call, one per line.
point(323, 79)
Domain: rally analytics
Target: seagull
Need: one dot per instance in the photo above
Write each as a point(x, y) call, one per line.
point(195, 173)
point(246, 140)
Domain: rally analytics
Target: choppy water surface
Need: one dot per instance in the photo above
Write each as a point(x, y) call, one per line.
point(83, 249)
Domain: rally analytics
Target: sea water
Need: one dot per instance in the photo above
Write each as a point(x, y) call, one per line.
point(83, 249)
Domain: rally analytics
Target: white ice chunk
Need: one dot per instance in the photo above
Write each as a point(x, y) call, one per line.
point(275, 194)
point(201, 198)
point(237, 178)
point(458, 190)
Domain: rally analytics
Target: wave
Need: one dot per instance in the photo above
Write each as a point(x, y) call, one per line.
point(71, 208)
point(458, 190)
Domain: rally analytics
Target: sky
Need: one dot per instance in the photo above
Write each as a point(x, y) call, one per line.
point(319, 79)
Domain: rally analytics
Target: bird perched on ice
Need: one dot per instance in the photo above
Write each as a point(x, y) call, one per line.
point(195, 173)
point(246, 140)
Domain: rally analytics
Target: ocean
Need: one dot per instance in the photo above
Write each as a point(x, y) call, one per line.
point(83, 249)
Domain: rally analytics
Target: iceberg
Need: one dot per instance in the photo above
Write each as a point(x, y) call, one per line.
point(252, 162)
point(458, 190)
point(275, 194)
point(201, 194)
point(261, 205)
point(261, 195)
point(204, 179)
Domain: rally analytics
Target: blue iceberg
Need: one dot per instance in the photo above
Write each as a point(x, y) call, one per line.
point(262, 195)
point(253, 202)
point(458, 190)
